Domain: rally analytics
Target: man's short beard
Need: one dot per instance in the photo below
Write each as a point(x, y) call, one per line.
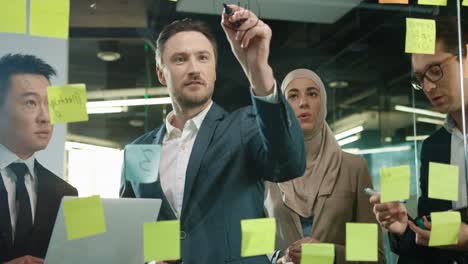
point(187, 103)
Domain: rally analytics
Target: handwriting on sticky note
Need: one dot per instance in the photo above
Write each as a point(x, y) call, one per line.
point(49, 18)
point(142, 162)
point(395, 183)
point(258, 236)
point(84, 217)
point(67, 103)
point(13, 16)
point(393, 2)
point(361, 242)
point(433, 2)
point(161, 240)
point(443, 181)
point(445, 227)
point(420, 36)
point(318, 253)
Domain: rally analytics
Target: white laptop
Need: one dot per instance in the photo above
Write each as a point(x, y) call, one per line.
point(121, 244)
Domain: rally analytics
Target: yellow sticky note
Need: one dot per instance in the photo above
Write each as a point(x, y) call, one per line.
point(445, 227)
point(443, 181)
point(318, 253)
point(465, 3)
point(393, 2)
point(13, 16)
point(161, 240)
point(258, 236)
point(84, 217)
point(466, 61)
point(67, 103)
point(49, 18)
point(420, 36)
point(395, 183)
point(361, 242)
point(433, 2)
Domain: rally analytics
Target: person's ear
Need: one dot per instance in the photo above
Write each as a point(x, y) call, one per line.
point(160, 73)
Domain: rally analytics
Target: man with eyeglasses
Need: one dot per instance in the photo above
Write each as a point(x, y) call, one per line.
point(438, 76)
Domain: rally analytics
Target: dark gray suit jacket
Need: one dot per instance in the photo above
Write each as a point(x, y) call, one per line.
point(435, 148)
point(50, 190)
point(232, 155)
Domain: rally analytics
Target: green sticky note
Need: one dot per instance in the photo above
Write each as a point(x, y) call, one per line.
point(318, 253)
point(67, 103)
point(395, 183)
point(445, 227)
point(49, 18)
point(258, 236)
point(433, 2)
point(142, 162)
point(161, 240)
point(465, 3)
point(13, 16)
point(420, 36)
point(361, 242)
point(443, 181)
point(84, 217)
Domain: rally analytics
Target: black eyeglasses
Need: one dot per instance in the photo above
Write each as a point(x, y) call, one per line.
point(433, 74)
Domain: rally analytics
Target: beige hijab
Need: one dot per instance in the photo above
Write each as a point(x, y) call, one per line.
point(323, 156)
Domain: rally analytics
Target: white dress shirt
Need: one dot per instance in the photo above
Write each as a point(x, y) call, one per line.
point(457, 157)
point(9, 180)
point(175, 153)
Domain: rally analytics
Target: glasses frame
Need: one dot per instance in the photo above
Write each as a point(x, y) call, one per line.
point(419, 84)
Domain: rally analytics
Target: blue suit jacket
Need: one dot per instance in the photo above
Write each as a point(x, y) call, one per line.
point(232, 155)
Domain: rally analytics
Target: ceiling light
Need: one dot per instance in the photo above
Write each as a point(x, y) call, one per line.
point(377, 150)
point(417, 138)
point(419, 111)
point(349, 132)
point(129, 102)
point(108, 56)
point(431, 121)
point(108, 51)
point(136, 123)
point(105, 110)
point(338, 84)
point(348, 140)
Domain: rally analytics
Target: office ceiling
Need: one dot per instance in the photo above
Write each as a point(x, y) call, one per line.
point(360, 43)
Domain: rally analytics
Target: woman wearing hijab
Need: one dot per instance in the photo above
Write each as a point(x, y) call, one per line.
point(315, 208)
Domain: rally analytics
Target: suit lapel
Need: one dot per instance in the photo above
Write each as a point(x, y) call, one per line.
point(5, 225)
point(44, 208)
point(200, 146)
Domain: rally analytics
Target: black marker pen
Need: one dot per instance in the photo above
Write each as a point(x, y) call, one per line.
point(230, 13)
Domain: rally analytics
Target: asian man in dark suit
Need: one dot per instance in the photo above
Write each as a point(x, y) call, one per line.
point(213, 163)
point(438, 77)
point(30, 194)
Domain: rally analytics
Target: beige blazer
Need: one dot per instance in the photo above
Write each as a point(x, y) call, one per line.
point(345, 203)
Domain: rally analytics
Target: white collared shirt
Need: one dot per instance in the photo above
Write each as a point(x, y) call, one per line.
point(9, 180)
point(457, 157)
point(176, 149)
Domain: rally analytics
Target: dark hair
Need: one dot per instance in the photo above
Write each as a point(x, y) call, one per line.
point(447, 33)
point(183, 25)
point(12, 64)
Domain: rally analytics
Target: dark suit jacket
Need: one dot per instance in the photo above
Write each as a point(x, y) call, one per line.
point(232, 155)
point(50, 190)
point(436, 148)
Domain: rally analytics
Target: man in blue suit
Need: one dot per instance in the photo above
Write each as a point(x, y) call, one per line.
point(213, 164)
